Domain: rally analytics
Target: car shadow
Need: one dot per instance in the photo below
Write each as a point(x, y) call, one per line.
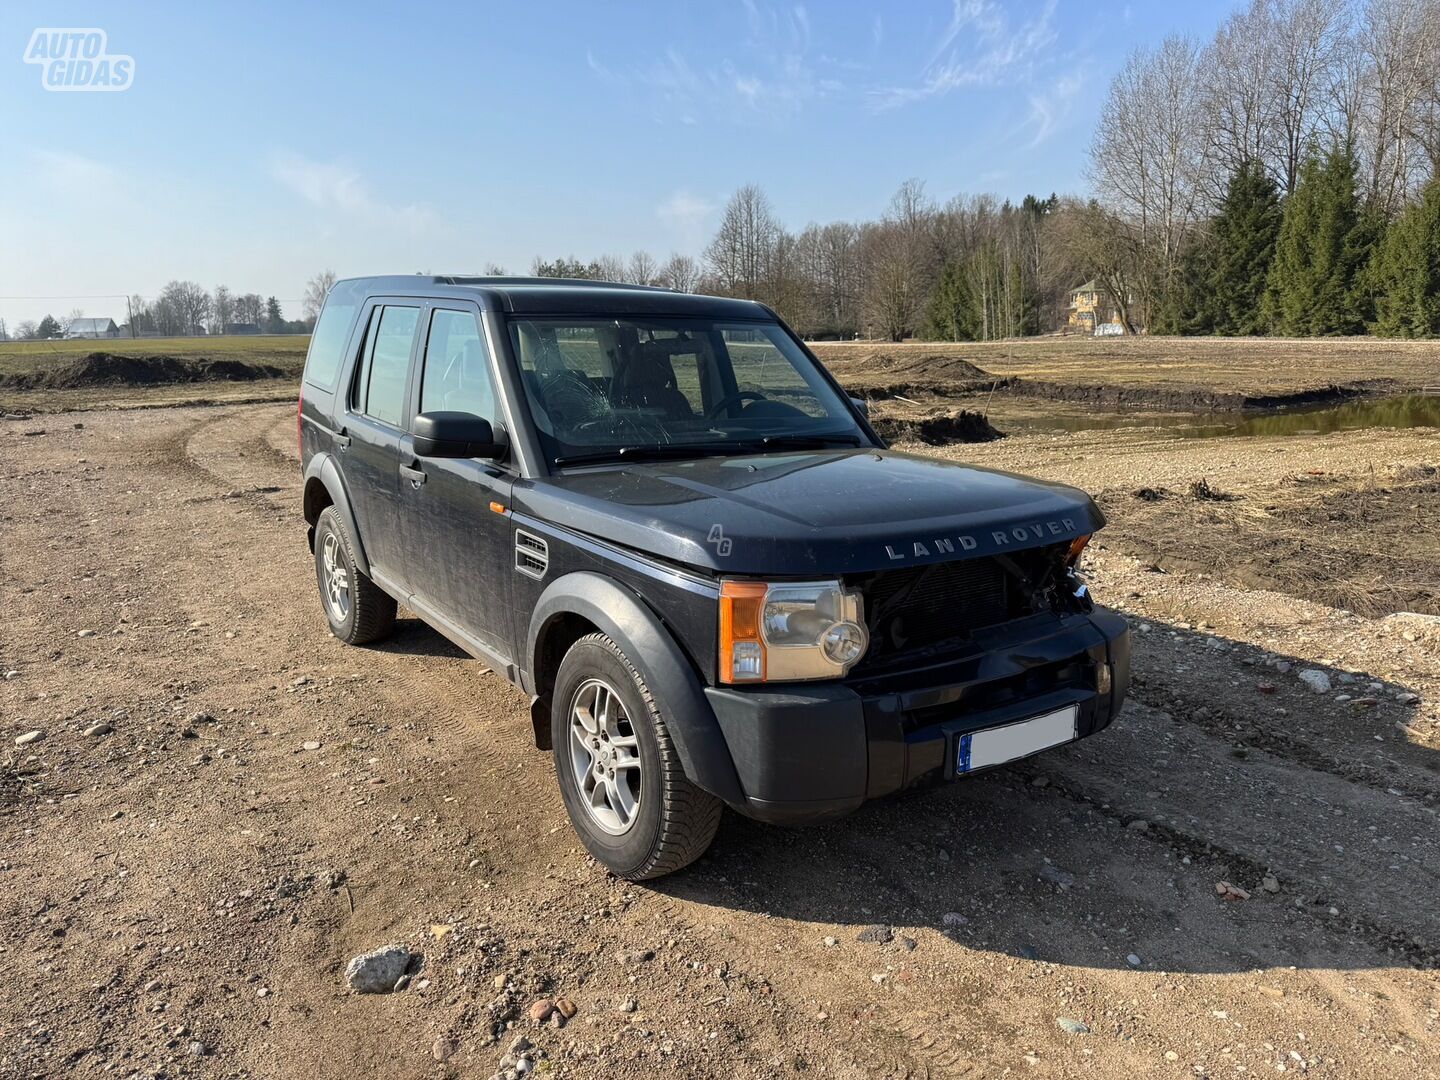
point(412, 637)
point(1112, 852)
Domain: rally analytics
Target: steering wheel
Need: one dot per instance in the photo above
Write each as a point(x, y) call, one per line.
point(733, 399)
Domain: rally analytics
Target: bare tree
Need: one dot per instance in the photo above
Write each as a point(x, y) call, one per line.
point(250, 308)
point(222, 309)
point(27, 330)
point(66, 320)
point(830, 256)
point(1238, 101)
point(181, 308)
point(1148, 159)
point(316, 289)
point(1399, 41)
point(740, 252)
point(1308, 38)
point(1106, 247)
point(680, 272)
point(641, 270)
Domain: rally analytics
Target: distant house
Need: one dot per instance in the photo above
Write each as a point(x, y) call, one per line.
point(241, 328)
point(1094, 311)
point(92, 328)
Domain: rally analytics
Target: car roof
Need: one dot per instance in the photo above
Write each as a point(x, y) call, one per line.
point(563, 296)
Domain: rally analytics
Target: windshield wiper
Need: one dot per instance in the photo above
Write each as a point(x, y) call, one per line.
point(800, 441)
point(652, 452)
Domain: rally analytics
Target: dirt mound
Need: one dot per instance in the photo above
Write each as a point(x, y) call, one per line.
point(108, 369)
point(962, 427)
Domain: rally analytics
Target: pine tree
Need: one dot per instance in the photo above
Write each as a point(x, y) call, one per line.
point(48, 328)
point(951, 316)
point(1316, 284)
point(274, 322)
point(1407, 271)
point(1244, 235)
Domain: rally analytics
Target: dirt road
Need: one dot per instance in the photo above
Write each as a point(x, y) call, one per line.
point(225, 804)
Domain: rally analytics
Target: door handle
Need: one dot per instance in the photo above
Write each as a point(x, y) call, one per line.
point(342, 441)
point(414, 475)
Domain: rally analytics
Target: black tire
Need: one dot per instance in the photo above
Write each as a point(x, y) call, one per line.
point(674, 821)
point(370, 613)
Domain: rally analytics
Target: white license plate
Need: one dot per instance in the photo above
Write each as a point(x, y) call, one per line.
point(995, 746)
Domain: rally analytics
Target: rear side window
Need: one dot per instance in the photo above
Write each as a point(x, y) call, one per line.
point(380, 390)
point(332, 330)
point(457, 367)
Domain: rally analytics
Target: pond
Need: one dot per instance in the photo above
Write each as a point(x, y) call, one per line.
point(1406, 411)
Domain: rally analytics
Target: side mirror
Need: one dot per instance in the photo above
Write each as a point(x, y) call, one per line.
point(862, 405)
point(455, 434)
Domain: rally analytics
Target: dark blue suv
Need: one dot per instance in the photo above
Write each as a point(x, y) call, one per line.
point(661, 517)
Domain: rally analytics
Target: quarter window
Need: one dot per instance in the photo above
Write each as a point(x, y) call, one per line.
point(387, 363)
point(457, 367)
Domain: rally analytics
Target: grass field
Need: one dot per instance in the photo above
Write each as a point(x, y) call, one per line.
point(1156, 371)
point(283, 350)
point(1246, 366)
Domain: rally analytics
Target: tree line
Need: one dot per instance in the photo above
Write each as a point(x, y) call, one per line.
point(1279, 179)
point(184, 309)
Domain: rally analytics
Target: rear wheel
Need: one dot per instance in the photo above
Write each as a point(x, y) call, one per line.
point(620, 778)
point(357, 609)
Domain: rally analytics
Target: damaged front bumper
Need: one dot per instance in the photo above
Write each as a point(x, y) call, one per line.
point(806, 753)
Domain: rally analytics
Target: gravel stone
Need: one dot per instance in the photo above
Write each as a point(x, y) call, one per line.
point(377, 972)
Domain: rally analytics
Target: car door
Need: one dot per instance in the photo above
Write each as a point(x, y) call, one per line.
point(375, 423)
point(457, 530)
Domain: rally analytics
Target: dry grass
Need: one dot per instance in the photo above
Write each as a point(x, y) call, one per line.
point(286, 351)
point(1251, 366)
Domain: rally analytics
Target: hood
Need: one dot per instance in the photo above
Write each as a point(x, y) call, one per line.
point(819, 513)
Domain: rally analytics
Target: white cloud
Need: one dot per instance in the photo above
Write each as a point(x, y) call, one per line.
point(772, 73)
point(1051, 106)
point(342, 190)
point(686, 215)
point(979, 47)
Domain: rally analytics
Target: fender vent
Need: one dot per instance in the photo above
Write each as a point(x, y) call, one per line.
point(532, 555)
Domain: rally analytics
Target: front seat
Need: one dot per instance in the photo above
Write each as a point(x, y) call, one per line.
point(648, 382)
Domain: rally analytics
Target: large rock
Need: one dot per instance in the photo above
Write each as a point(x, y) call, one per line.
point(1316, 680)
point(377, 972)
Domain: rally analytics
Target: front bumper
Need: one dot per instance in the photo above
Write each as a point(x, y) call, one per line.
point(806, 753)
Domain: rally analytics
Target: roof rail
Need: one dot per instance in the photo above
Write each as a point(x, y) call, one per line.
point(502, 281)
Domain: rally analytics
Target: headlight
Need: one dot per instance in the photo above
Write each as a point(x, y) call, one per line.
point(789, 630)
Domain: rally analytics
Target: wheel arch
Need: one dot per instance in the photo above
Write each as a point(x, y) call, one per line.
point(585, 602)
point(324, 487)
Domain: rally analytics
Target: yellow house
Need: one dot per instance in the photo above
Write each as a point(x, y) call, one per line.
point(1092, 311)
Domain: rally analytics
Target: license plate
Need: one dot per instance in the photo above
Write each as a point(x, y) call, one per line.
point(995, 746)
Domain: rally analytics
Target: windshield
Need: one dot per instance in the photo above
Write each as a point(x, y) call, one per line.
point(609, 388)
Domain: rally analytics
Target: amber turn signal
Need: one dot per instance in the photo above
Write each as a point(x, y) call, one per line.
point(742, 651)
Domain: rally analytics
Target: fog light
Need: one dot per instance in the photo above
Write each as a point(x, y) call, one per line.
point(843, 643)
point(746, 662)
point(1102, 680)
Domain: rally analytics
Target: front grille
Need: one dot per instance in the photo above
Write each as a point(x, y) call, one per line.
point(921, 608)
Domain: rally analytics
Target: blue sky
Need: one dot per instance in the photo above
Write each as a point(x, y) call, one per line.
point(262, 142)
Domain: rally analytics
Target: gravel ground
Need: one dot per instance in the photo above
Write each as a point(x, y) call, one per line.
point(224, 805)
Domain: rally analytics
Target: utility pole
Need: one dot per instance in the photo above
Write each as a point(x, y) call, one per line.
point(130, 313)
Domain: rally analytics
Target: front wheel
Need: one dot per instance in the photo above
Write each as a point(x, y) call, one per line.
point(357, 609)
point(621, 780)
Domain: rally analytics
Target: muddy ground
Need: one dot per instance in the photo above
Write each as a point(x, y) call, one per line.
point(182, 880)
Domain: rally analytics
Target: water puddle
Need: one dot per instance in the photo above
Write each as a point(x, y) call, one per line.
point(1406, 411)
